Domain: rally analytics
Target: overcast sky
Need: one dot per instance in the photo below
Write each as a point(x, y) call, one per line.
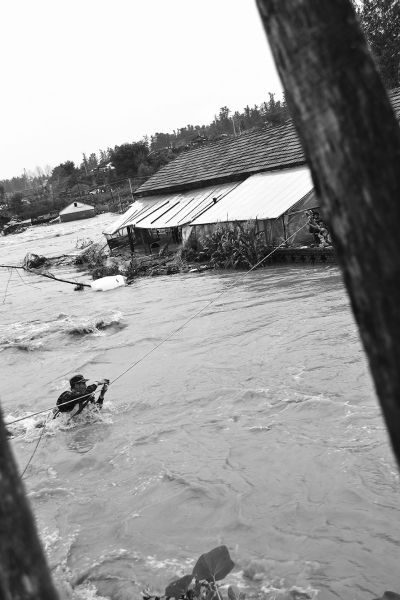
point(82, 75)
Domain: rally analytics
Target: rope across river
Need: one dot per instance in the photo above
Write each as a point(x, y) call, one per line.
point(165, 339)
point(178, 329)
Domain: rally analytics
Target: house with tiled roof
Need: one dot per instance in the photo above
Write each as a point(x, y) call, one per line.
point(229, 159)
point(261, 175)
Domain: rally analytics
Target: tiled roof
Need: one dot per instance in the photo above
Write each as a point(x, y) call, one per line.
point(253, 151)
point(265, 149)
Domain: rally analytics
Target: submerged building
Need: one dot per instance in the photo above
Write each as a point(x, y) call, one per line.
point(259, 176)
point(76, 210)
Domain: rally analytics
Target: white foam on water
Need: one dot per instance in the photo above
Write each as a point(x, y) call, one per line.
point(30, 428)
point(90, 415)
point(168, 563)
point(290, 593)
point(87, 591)
point(58, 548)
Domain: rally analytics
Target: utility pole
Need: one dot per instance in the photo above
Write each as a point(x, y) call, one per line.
point(51, 193)
point(234, 128)
point(84, 163)
point(79, 189)
point(130, 187)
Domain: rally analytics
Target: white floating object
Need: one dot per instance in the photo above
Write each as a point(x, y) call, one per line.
point(108, 283)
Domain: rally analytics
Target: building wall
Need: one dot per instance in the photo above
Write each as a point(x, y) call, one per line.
point(74, 216)
point(274, 231)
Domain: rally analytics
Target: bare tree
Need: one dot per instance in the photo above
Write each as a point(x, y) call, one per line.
point(48, 170)
point(38, 172)
point(352, 143)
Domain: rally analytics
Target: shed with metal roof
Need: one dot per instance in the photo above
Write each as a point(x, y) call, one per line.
point(260, 175)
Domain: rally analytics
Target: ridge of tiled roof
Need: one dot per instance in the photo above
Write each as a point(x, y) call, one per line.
point(273, 147)
point(255, 150)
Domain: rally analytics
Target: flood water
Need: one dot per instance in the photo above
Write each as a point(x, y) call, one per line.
point(255, 426)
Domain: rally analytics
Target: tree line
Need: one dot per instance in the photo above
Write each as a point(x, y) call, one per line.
point(33, 193)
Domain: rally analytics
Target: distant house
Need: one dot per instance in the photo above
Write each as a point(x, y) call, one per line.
point(259, 176)
point(75, 211)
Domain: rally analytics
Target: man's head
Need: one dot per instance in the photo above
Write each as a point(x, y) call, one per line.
point(78, 382)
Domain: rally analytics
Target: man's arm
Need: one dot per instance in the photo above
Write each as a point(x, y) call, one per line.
point(87, 397)
point(103, 391)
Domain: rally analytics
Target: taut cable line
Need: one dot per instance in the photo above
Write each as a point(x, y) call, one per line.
point(224, 291)
point(176, 330)
point(8, 283)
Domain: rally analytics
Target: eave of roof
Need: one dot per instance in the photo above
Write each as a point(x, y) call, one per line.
point(169, 210)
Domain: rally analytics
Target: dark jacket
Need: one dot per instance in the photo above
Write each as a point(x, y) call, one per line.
point(73, 398)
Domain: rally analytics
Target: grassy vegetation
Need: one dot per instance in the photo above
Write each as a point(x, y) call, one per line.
point(233, 247)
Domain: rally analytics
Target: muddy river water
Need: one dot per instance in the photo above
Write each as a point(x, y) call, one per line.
point(255, 426)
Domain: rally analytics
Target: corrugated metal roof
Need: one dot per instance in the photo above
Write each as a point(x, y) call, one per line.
point(138, 207)
point(262, 196)
point(169, 210)
point(76, 207)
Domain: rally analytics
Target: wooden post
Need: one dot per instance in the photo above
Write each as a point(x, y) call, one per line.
point(131, 239)
point(352, 143)
point(145, 240)
point(23, 569)
point(284, 229)
point(265, 231)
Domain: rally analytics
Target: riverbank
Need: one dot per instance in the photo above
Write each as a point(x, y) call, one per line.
point(98, 263)
point(227, 248)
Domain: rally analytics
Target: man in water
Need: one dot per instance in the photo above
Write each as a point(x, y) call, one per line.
point(80, 395)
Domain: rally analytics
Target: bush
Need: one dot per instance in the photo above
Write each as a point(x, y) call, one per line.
point(132, 269)
point(94, 256)
point(82, 243)
point(238, 246)
point(179, 262)
point(201, 583)
point(104, 271)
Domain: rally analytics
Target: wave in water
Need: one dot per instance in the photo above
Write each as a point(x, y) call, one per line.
point(37, 335)
point(262, 576)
